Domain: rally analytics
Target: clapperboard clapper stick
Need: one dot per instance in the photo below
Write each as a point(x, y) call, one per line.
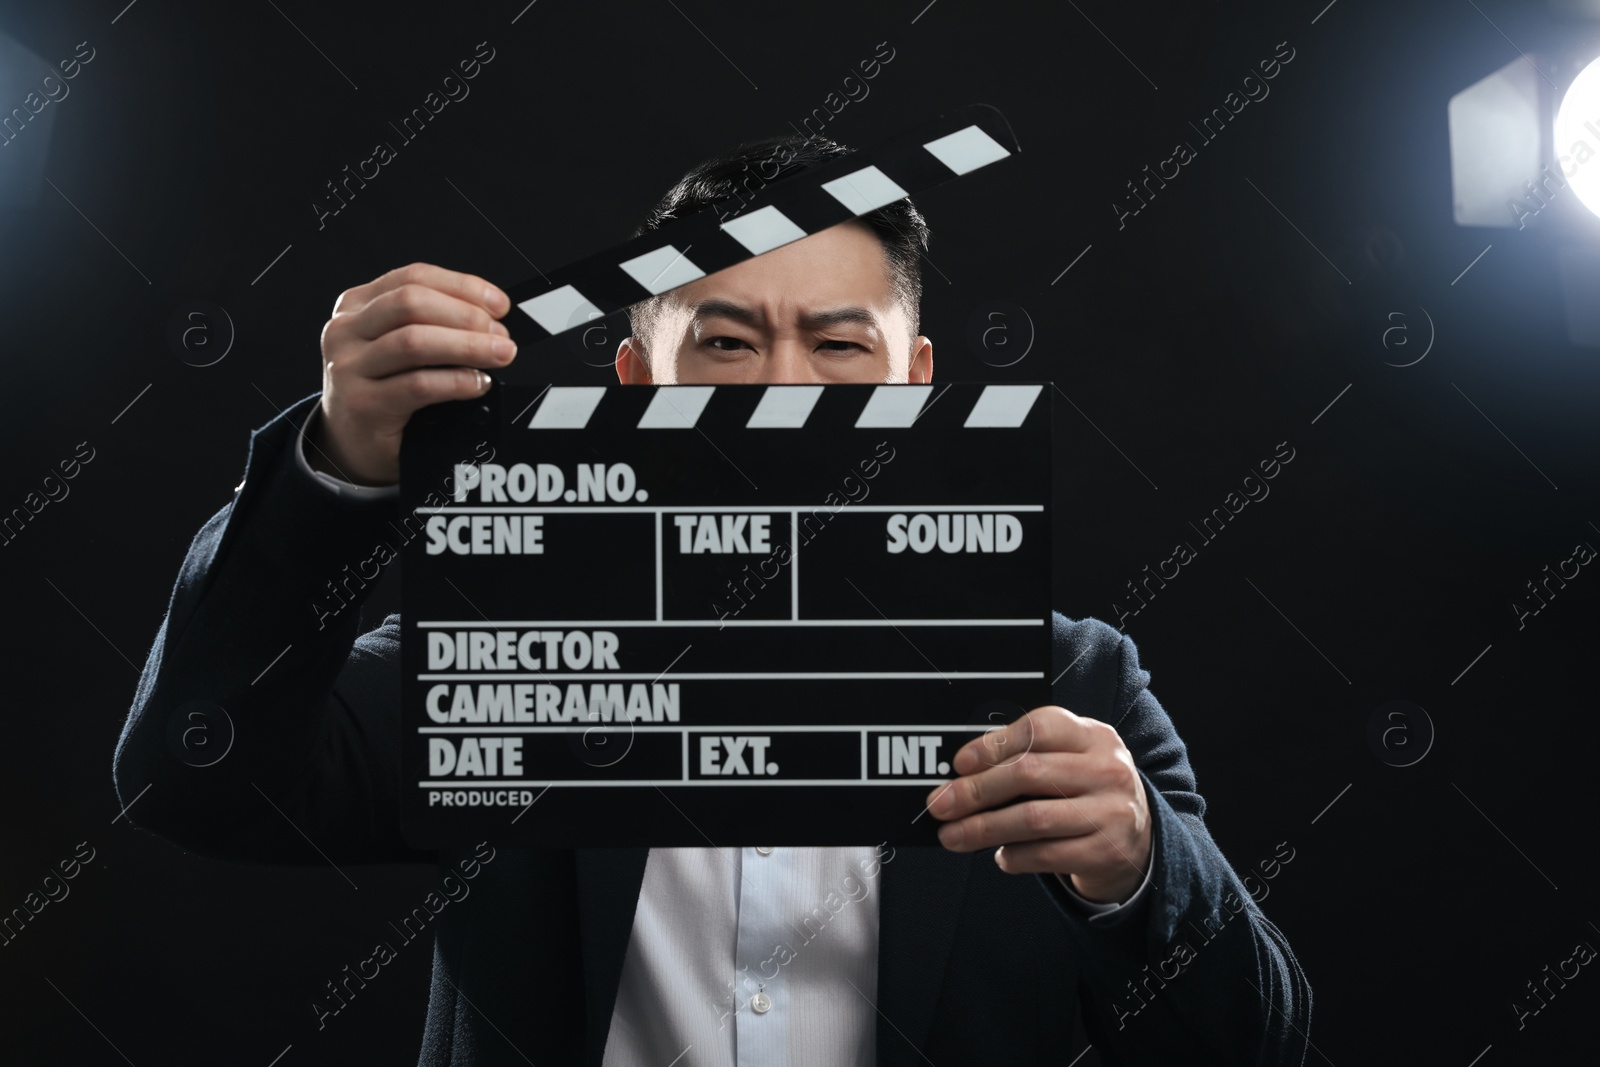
point(748, 614)
point(958, 143)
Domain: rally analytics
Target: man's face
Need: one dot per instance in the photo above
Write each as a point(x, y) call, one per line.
point(820, 309)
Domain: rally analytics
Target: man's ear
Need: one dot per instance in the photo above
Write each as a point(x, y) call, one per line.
point(632, 366)
point(920, 370)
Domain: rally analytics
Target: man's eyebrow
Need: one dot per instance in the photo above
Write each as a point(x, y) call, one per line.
point(849, 314)
point(726, 309)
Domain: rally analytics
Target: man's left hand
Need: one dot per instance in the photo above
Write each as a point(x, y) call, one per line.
point(1089, 819)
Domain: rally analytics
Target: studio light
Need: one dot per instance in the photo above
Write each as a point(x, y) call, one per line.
point(1525, 153)
point(1577, 135)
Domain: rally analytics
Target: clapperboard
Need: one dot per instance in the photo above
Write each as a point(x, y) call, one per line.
point(738, 614)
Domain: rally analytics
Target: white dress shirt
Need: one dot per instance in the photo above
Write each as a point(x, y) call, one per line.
point(748, 957)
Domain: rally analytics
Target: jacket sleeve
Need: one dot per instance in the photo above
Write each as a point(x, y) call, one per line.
point(263, 729)
point(1193, 972)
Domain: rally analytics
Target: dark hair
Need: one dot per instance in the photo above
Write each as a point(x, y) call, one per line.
point(724, 180)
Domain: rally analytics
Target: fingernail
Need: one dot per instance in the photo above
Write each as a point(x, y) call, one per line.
point(483, 380)
point(494, 298)
point(496, 326)
point(504, 347)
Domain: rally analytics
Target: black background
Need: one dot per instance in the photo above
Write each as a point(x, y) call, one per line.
point(1220, 321)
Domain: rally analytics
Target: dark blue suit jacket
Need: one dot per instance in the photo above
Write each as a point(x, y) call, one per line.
point(974, 965)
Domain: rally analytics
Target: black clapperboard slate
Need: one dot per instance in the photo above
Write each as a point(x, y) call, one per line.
point(685, 615)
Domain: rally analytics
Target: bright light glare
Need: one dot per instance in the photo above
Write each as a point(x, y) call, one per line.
point(1577, 136)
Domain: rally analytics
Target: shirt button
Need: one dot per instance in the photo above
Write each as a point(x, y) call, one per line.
point(761, 1003)
point(765, 850)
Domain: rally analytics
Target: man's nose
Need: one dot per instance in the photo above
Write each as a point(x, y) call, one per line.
point(789, 364)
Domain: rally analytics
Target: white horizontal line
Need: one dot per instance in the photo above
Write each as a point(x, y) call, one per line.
point(659, 782)
point(479, 624)
point(724, 676)
point(741, 727)
point(757, 509)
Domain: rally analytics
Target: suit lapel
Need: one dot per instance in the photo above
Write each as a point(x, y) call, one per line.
point(609, 880)
point(923, 888)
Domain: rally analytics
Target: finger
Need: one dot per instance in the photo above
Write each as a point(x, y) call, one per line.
point(1084, 853)
point(1034, 774)
point(1028, 820)
point(995, 747)
point(413, 346)
point(398, 395)
point(462, 286)
point(412, 303)
point(1048, 728)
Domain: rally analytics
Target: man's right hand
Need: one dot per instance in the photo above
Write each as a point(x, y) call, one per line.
point(410, 338)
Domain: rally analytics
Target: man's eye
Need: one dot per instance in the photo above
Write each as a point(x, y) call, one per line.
point(732, 344)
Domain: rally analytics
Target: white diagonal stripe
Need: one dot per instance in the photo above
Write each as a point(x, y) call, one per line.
point(567, 407)
point(893, 405)
point(784, 407)
point(966, 150)
point(762, 231)
point(665, 268)
point(560, 309)
point(1003, 405)
point(864, 190)
point(676, 407)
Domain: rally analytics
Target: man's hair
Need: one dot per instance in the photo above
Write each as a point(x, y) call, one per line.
point(725, 180)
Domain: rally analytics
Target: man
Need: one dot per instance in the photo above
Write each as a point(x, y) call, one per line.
point(1099, 881)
